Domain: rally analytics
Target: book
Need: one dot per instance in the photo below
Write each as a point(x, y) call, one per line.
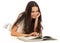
point(35, 38)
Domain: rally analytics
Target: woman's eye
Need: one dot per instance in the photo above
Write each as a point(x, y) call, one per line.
point(32, 11)
point(37, 11)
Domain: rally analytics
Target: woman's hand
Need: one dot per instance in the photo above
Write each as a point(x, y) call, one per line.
point(34, 34)
point(37, 15)
point(36, 22)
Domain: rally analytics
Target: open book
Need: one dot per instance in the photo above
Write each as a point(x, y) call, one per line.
point(36, 38)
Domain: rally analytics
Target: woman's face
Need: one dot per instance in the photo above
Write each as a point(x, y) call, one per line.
point(34, 12)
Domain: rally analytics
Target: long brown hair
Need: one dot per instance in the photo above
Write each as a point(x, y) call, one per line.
point(26, 15)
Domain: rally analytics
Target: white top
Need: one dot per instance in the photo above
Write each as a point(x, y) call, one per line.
point(20, 25)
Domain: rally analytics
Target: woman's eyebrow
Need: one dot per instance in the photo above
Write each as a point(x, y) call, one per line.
point(34, 11)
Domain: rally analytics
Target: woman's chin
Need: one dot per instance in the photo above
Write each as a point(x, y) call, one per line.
point(33, 18)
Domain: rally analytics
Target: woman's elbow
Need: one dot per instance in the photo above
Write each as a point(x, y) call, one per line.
point(12, 33)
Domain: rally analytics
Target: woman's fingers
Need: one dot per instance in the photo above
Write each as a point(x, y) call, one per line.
point(34, 34)
point(38, 15)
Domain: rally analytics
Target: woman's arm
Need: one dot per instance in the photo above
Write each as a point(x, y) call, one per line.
point(15, 33)
point(35, 24)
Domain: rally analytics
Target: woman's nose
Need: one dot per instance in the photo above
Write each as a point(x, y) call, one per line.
point(35, 13)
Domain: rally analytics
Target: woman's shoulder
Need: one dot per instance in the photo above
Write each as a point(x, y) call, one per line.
point(21, 14)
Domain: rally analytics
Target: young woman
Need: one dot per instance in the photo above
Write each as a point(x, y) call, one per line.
point(28, 22)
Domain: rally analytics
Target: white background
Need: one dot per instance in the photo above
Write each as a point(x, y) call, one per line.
point(50, 9)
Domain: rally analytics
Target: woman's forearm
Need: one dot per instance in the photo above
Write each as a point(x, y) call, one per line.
point(15, 33)
point(18, 34)
point(35, 24)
